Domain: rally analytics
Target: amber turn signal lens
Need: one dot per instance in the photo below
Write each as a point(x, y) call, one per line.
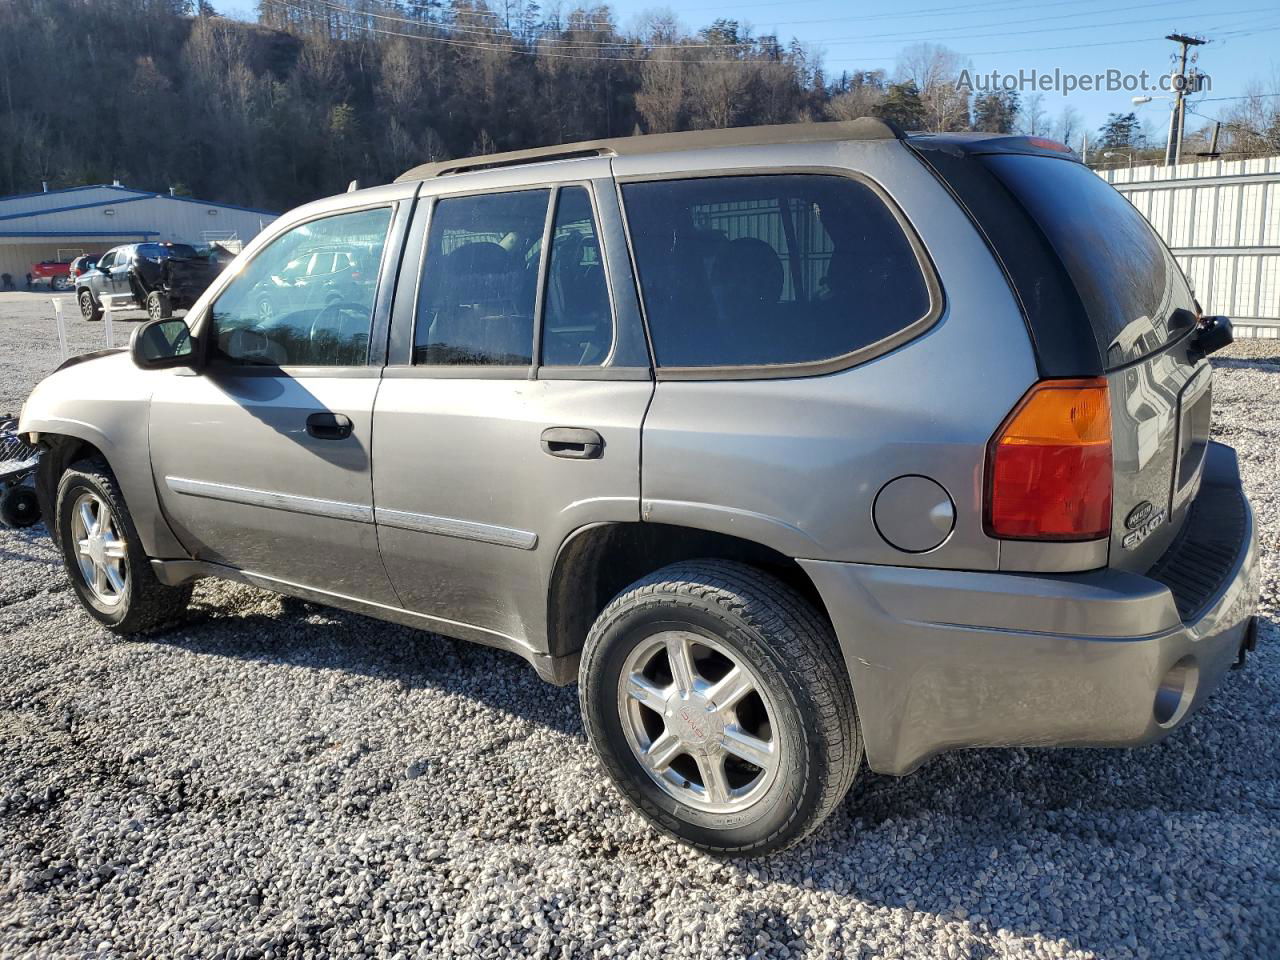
point(1049, 465)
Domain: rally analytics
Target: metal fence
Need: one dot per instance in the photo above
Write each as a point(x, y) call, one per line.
point(1221, 219)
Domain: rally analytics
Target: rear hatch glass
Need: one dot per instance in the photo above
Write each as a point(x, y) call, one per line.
point(1127, 280)
point(1137, 305)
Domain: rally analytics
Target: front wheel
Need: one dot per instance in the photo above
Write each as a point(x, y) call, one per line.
point(61, 284)
point(717, 700)
point(108, 568)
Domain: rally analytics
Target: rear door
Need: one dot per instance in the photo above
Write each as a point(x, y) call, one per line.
point(263, 459)
point(510, 413)
point(1140, 310)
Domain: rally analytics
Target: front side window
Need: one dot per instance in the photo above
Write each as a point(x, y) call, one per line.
point(764, 270)
point(480, 280)
point(278, 313)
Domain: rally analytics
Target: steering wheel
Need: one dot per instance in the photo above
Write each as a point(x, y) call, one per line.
point(339, 319)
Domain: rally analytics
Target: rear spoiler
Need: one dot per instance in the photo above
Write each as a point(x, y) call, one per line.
point(979, 144)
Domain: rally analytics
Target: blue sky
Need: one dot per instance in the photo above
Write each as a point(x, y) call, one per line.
point(1074, 36)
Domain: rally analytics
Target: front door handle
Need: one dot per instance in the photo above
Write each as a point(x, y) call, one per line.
point(329, 426)
point(573, 443)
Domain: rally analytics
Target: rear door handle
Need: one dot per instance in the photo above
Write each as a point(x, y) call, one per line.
point(329, 426)
point(573, 443)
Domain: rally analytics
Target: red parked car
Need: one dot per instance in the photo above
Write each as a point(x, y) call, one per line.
point(56, 273)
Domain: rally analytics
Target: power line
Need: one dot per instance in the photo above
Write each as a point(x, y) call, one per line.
point(514, 47)
point(897, 37)
point(1243, 96)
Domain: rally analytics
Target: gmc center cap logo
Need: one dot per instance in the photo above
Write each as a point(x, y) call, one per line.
point(1139, 514)
point(1141, 521)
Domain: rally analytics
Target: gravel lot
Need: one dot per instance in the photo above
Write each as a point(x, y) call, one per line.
point(273, 779)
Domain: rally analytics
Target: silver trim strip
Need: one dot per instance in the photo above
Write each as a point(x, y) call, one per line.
point(462, 529)
point(336, 509)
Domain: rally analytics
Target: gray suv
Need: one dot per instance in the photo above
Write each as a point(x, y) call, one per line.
point(797, 447)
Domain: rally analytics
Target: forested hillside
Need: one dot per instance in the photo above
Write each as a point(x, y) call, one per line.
point(161, 93)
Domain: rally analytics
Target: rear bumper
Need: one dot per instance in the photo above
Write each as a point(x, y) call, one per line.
point(943, 659)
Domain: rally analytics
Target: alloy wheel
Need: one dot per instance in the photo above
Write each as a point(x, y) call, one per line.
point(100, 550)
point(699, 721)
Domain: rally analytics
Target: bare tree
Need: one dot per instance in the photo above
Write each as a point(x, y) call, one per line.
point(1068, 126)
point(1033, 116)
point(661, 93)
point(858, 96)
point(1252, 127)
point(935, 71)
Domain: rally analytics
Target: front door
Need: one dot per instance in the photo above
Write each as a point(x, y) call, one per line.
point(262, 460)
point(510, 414)
point(118, 278)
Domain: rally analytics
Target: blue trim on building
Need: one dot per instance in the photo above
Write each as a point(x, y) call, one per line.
point(79, 233)
point(224, 206)
point(141, 194)
point(78, 206)
point(46, 193)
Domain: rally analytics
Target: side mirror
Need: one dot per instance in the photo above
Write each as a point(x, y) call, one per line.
point(1214, 334)
point(158, 344)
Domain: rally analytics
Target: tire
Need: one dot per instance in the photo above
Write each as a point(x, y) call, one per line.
point(141, 601)
point(19, 507)
point(158, 306)
point(61, 284)
point(90, 309)
point(734, 613)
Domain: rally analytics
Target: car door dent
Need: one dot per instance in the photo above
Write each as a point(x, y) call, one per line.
point(462, 529)
point(272, 499)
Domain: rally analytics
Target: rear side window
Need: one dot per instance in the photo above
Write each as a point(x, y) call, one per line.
point(577, 320)
point(480, 280)
point(765, 270)
point(1128, 282)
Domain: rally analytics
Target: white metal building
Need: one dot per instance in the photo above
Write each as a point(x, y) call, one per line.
point(57, 224)
point(1221, 219)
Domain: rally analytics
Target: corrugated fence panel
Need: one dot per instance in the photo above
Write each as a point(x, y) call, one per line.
point(1221, 219)
point(1271, 215)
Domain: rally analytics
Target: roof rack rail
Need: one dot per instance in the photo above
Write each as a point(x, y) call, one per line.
point(517, 157)
point(863, 128)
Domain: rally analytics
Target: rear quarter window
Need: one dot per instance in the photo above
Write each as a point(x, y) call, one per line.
point(771, 270)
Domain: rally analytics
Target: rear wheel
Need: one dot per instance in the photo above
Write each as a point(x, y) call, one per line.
point(108, 568)
point(717, 700)
point(158, 306)
point(89, 308)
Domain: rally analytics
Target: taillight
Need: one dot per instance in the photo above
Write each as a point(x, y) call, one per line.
point(1049, 465)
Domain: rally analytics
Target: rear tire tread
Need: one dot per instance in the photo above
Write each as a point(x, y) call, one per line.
point(808, 652)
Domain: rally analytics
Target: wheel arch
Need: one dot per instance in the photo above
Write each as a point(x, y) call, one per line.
point(597, 561)
point(63, 443)
point(58, 452)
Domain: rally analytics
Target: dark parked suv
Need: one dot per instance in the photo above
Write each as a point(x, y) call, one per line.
point(156, 277)
point(797, 447)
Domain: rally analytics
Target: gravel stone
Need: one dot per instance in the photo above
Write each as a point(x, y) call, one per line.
point(273, 779)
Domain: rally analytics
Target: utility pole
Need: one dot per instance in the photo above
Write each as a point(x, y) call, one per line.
point(1177, 119)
